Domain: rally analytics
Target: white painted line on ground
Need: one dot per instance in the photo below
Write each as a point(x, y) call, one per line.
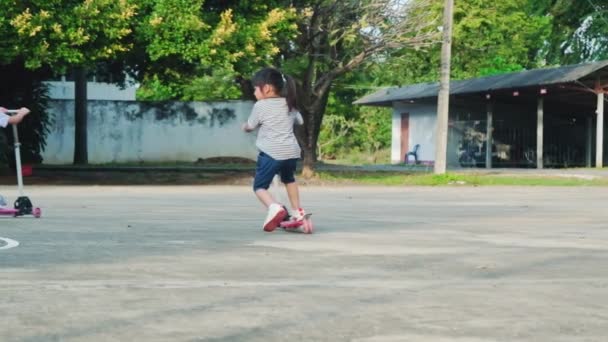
point(10, 243)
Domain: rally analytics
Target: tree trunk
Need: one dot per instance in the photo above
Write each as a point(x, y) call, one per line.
point(80, 116)
point(306, 137)
point(309, 136)
point(308, 163)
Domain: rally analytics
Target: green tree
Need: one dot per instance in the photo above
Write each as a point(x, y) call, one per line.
point(66, 34)
point(195, 50)
point(490, 37)
point(578, 30)
point(336, 38)
point(349, 129)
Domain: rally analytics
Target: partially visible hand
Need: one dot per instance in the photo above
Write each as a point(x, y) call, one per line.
point(23, 111)
point(3, 110)
point(245, 127)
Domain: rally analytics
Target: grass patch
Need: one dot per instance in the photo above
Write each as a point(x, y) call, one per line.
point(454, 179)
point(361, 158)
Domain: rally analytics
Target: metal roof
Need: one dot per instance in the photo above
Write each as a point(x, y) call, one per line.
point(521, 79)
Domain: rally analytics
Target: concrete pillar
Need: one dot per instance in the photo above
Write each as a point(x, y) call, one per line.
point(599, 137)
point(489, 128)
point(540, 112)
point(589, 141)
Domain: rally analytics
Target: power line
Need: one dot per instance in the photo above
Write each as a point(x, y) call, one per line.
point(598, 10)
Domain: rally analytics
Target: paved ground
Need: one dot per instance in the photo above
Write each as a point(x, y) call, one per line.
point(387, 264)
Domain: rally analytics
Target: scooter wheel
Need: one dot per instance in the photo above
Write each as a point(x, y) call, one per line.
point(307, 225)
point(37, 212)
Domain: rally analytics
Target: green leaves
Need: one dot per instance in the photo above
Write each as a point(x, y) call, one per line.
point(61, 34)
point(579, 30)
point(489, 37)
point(493, 34)
point(197, 48)
point(177, 46)
point(173, 27)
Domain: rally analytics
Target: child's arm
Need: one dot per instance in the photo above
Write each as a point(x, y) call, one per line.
point(254, 119)
point(17, 118)
point(299, 119)
point(246, 128)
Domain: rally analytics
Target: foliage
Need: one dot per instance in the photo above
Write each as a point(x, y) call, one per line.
point(194, 50)
point(338, 37)
point(489, 37)
point(348, 129)
point(65, 33)
point(335, 135)
point(578, 30)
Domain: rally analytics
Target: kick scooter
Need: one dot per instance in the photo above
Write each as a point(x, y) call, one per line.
point(23, 205)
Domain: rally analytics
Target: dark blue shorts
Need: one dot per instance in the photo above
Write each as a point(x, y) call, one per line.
point(267, 168)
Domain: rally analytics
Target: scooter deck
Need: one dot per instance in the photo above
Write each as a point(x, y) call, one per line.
point(8, 211)
point(304, 226)
point(36, 212)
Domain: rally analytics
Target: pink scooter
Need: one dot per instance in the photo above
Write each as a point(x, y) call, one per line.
point(303, 226)
point(295, 226)
point(23, 205)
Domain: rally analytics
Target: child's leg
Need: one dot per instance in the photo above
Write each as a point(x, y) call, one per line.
point(266, 169)
point(265, 197)
point(294, 194)
point(287, 172)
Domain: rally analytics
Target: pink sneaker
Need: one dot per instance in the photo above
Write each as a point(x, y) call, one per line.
point(276, 214)
point(298, 214)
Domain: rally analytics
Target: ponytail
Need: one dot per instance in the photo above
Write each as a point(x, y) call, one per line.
point(284, 85)
point(290, 93)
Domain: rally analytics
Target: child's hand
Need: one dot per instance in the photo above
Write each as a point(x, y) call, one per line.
point(23, 111)
point(3, 110)
point(245, 127)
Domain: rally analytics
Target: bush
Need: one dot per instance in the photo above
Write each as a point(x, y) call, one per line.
point(363, 139)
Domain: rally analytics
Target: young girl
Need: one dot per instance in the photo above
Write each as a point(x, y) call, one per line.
point(275, 114)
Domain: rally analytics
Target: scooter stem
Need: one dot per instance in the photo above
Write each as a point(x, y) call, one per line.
point(17, 155)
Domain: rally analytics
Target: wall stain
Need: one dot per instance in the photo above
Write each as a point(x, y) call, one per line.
point(222, 116)
point(122, 130)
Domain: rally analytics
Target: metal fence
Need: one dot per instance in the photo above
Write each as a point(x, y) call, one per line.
point(514, 144)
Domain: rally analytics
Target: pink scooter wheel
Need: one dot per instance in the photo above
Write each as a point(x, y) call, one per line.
point(37, 212)
point(307, 225)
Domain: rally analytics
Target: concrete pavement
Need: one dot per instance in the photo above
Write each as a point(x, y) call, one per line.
point(386, 264)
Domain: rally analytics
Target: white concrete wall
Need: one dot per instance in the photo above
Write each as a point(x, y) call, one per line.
point(423, 118)
point(64, 90)
point(130, 131)
point(422, 127)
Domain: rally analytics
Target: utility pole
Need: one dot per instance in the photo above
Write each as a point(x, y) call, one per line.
point(443, 101)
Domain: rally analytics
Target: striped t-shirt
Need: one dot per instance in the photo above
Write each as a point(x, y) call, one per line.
point(275, 136)
point(3, 120)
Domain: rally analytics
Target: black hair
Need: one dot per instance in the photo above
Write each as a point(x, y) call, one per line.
point(284, 84)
